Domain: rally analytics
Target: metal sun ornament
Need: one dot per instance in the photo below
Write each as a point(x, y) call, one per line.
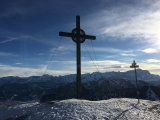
point(74, 31)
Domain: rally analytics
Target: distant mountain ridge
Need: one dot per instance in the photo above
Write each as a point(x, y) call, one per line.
point(129, 75)
point(95, 86)
point(105, 89)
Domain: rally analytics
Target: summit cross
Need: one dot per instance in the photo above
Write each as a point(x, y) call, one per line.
point(78, 36)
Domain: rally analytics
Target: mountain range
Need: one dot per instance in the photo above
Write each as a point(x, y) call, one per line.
point(95, 86)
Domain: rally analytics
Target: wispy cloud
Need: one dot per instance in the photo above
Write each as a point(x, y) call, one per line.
point(108, 65)
point(31, 7)
point(150, 50)
point(123, 54)
point(7, 41)
point(18, 63)
point(153, 61)
point(17, 7)
point(7, 70)
point(69, 67)
point(20, 37)
point(68, 47)
point(128, 21)
point(40, 54)
point(152, 67)
point(5, 54)
point(105, 49)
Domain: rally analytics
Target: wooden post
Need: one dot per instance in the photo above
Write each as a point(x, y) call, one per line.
point(78, 49)
point(134, 65)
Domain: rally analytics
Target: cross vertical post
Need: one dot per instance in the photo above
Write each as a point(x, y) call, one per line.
point(78, 47)
point(78, 36)
point(134, 65)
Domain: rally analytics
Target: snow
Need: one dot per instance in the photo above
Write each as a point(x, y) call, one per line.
point(128, 75)
point(73, 109)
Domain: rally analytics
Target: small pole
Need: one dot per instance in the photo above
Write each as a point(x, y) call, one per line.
point(134, 65)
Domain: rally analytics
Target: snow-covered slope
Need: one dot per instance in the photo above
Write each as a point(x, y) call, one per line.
point(73, 109)
point(151, 95)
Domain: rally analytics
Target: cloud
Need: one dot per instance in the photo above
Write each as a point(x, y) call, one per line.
point(152, 67)
point(139, 21)
point(110, 65)
point(61, 68)
point(18, 63)
point(153, 61)
point(20, 37)
point(5, 54)
point(72, 47)
point(123, 54)
point(150, 50)
point(7, 70)
point(31, 7)
point(63, 48)
point(41, 54)
point(69, 67)
point(105, 49)
point(9, 39)
point(6, 41)
point(115, 66)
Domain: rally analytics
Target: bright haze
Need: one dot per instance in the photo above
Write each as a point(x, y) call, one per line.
point(125, 30)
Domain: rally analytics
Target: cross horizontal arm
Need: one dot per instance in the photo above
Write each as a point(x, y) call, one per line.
point(88, 37)
point(134, 66)
point(66, 34)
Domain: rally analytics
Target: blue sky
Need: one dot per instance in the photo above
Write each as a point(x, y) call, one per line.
point(125, 30)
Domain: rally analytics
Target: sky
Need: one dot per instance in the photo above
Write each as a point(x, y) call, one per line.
point(125, 30)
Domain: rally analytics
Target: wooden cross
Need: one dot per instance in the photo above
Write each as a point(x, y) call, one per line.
point(78, 36)
point(134, 65)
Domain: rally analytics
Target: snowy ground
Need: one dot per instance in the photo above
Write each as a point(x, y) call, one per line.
point(73, 109)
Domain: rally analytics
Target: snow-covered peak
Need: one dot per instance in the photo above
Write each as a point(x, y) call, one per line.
point(129, 75)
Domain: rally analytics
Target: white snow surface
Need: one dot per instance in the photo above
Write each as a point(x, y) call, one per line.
point(73, 109)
